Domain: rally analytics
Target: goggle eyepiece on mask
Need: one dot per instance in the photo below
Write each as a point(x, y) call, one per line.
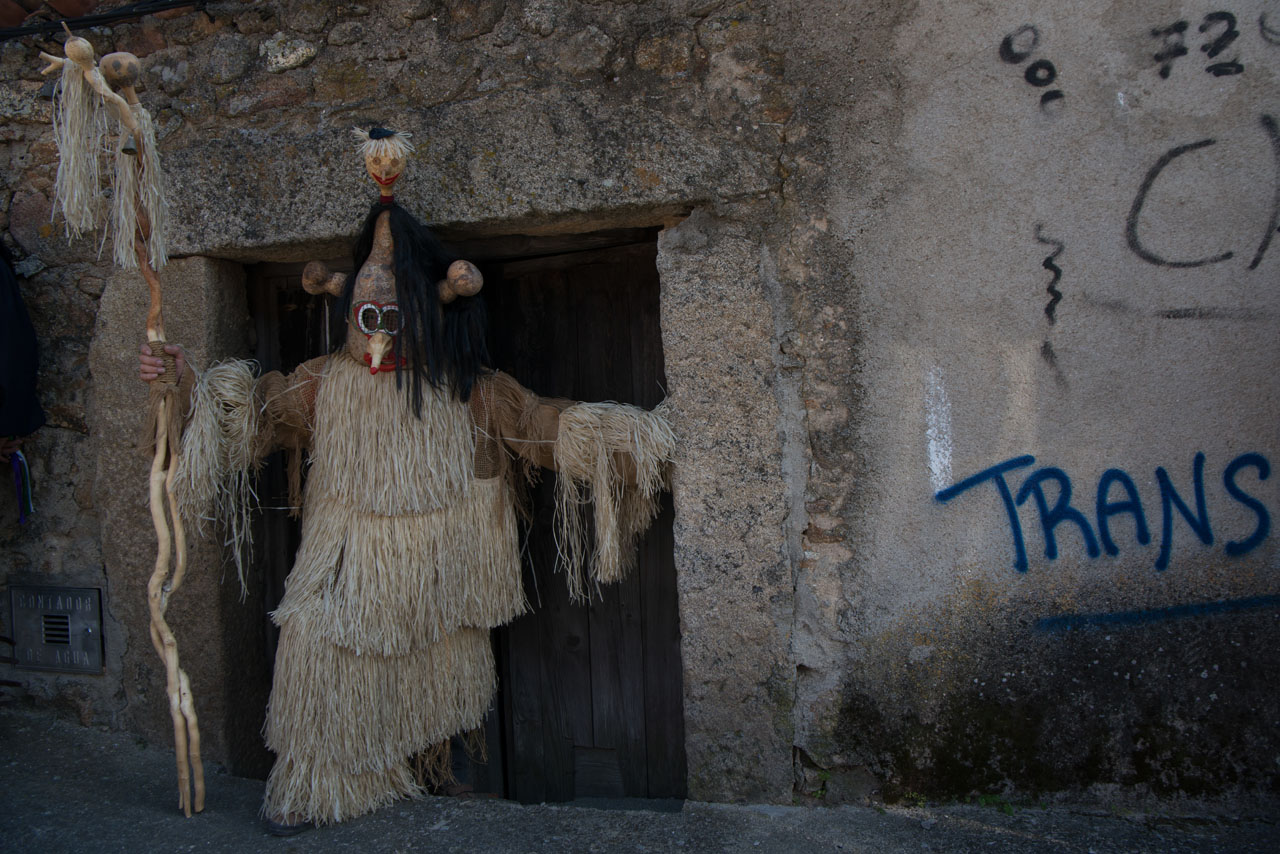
point(372, 317)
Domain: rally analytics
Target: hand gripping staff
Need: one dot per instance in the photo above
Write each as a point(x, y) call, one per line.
point(85, 94)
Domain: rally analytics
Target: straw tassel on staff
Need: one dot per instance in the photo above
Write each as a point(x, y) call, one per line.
point(84, 92)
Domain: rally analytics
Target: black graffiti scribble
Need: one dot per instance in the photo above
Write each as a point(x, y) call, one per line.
point(1218, 45)
point(1269, 125)
point(1229, 33)
point(1040, 73)
point(1131, 224)
point(1135, 212)
point(1017, 47)
point(1224, 69)
point(1240, 315)
point(1269, 34)
point(1173, 44)
point(1051, 309)
point(1051, 359)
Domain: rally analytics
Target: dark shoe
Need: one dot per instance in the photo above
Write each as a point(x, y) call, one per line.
point(279, 828)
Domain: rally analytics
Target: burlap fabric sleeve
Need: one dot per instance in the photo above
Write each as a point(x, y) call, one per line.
point(611, 462)
point(288, 405)
point(509, 415)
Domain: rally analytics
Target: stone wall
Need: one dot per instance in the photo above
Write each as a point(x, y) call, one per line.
point(550, 118)
point(904, 243)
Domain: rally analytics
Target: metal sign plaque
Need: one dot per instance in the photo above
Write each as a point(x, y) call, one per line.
point(57, 628)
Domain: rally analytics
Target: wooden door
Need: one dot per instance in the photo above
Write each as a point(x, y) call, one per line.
point(591, 695)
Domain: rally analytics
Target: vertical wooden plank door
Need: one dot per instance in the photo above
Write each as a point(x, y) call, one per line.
point(591, 693)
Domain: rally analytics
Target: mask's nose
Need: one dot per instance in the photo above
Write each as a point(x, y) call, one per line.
point(379, 344)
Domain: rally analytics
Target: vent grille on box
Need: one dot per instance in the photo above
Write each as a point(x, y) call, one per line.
point(56, 628)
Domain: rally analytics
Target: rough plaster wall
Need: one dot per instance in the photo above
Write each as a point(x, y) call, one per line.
point(952, 193)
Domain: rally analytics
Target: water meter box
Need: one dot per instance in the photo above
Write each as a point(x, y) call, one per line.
point(57, 628)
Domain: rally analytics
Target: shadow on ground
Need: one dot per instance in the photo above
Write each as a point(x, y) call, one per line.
point(66, 788)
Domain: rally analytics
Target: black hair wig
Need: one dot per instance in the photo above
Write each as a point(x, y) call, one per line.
point(443, 343)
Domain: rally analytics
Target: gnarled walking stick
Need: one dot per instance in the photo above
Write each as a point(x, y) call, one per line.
point(83, 79)
point(162, 408)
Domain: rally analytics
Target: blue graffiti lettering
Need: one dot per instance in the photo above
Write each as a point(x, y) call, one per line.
point(996, 473)
point(1239, 547)
point(1068, 622)
point(1169, 498)
point(1061, 512)
point(1106, 509)
point(1033, 486)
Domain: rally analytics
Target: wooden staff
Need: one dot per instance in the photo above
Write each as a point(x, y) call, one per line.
point(121, 71)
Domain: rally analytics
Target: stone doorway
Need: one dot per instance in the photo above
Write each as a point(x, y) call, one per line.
point(590, 700)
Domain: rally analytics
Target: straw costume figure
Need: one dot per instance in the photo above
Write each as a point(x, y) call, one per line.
point(410, 551)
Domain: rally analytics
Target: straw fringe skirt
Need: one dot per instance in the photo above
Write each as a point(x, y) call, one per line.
point(344, 725)
point(406, 562)
point(388, 584)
